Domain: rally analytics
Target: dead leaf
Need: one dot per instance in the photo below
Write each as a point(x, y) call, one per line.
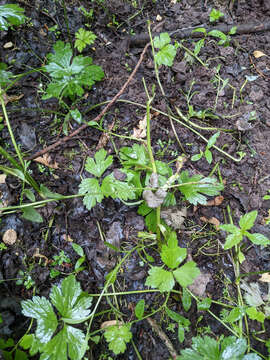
point(106, 324)
point(10, 237)
point(140, 131)
point(214, 221)
point(104, 137)
point(12, 98)
point(3, 178)
point(265, 277)
point(174, 216)
point(67, 238)
point(159, 17)
point(8, 45)
point(46, 161)
point(258, 54)
point(198, 287)
point(216, 201)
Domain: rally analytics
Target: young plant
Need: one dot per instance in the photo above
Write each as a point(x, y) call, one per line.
point(70, 74)
point(84, 38)
point(11, 14)
point(225, 348)
point(167, 51)
point(58, 260)
point(215, 15)
point(237, 234)
point(207, 152)
point(55, 337)
point(94, 190)
point(172, 256)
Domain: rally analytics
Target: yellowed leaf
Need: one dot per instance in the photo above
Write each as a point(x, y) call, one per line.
point(265, 277)
point(258, 53)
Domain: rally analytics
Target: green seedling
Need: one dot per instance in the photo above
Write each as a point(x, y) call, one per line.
point(87, 14)
point(224, 348)
point(78, 265)
point(215, 15)
point(167, 51)
point(172, 256)
point(84, 38)
point(182, 322)
point(55, 338)
point(224, 39)
point(59, 260)
point(94, 189)
point(5, 76)
point(25, 279)
point(3, 246)
point(118, 336)
point(237, 234)
point(207, 152)
point(70, 74)
point(11, 14)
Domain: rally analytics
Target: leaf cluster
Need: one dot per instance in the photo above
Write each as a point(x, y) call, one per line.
point(84, 38)
point(167, 51)
point(70, 74)
point(172, 256)
point(54, 337)
point(110, 186)
point(228, 348)
point(11, 14)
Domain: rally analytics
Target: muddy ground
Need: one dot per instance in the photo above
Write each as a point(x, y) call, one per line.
point(35, 124)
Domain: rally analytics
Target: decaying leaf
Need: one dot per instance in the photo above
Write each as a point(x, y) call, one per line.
point(10, 237)
point(46, 161)
point(106, 324)
point(156, 199)
point(258, 53)
point(265, 277)
point(140, 131)
point(38, 255)
point(214, 221)
point(218, 200)
point(174, 216)
point(199, 285)
point(11, 98)
point(3, 178)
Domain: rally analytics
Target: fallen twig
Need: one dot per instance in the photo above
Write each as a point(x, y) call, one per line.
point(97, 118)
point(188, 32)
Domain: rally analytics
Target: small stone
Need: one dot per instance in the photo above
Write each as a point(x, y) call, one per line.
point(10, 237)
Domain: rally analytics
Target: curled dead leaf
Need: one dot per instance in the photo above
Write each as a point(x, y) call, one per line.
point(46, 161)
point(214, 221)
point(216, 201)
point(257, 54)
point(140, 131)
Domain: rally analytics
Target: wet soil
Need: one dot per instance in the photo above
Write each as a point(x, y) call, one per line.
point(243, 107)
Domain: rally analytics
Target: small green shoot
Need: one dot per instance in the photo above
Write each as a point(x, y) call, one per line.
point(59, 260)
point(246, 222)
point(70, 74)
point(215, 15)
point(11, 14)
point(54, 337)
point(78, 265)
point(84, 38)
point(207, 152)
point(172, 256)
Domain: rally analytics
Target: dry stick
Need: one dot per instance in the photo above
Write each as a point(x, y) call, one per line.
point(163, 337)
point(188, 32)
point(97, 118)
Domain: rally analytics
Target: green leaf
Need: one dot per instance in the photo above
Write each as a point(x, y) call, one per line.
point(29, 194)
point(235, 314)
point(234, 350)
point(49, 194)
point(139, 309)
point(205, 304)
point(193, 187)
point(76, 115)
point(83, 38)
point(197, 157)
point(100, 164)
point(247, 221)
point(166, 55)
point(41, 309)
point(258, 239)
point(186, 274)
point(11, 14)
point(92, 191)
point(215, 15)
point(5, 76)
point(230, 228)
point(218, 34)
point(202, 30)
point(68, 342)
point(160, 278)
point(232, 240)
point(212, 140)
point(172, 256)
point(31, 214)
point(202, 348)
point(233, 30)
point(177, 317)
point(208, 156)
point(254, 314)
point(78, 249)
point(181, 334)
point(117, 189)
point(68, 300)
point(186, 299)
point(70, 74)
point(117, 337)
point(31, 343)
point(198, 45)
point(162, 40)
point(135, 156)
